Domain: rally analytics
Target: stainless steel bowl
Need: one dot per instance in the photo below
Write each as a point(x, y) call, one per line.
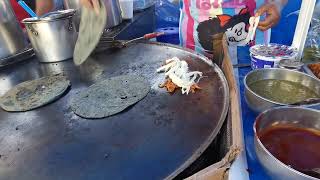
point(300, 117)
point(291, 64)
point(258, 103)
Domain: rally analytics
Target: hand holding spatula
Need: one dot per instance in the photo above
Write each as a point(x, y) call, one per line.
point(91, 4)
point(91, 28)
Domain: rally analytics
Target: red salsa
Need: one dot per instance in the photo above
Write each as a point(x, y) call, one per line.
point(296, 147)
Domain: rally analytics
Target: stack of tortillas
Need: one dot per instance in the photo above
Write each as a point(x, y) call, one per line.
point(91, 28)
point(33, 94)
point(110, 96)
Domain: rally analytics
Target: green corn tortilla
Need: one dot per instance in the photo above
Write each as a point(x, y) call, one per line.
point(90, 31)
point(30, 95)
point(110, 96)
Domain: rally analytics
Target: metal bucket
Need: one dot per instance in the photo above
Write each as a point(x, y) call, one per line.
point(52, 36)
point(12, 39)
point(74, 4)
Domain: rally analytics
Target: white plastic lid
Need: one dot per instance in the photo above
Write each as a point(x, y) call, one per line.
point(274, 50)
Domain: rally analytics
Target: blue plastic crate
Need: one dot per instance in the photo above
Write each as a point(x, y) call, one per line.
point(171, 35)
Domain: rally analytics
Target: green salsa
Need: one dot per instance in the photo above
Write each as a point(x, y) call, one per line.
point(282, 91)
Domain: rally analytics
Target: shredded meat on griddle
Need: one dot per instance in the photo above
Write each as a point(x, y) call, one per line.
point(171, 87)
point(194, 87)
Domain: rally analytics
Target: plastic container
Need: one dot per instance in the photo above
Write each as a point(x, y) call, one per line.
point(139, 5)
point(303, 24)
point(263, 56)
point(258, 62)
point(312, 46)
point(291, 64)
point(126, 9)
point(167, 14)
point(171, 35)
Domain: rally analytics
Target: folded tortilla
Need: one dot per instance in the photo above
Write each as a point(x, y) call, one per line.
point(90, 31)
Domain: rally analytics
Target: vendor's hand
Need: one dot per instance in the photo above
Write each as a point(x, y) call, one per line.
point(43, 7)
point(273, 15)
point(91, 4)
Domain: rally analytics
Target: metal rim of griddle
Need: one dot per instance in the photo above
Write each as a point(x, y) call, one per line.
point(223, 116)
point(211, 135)
point(22, 55)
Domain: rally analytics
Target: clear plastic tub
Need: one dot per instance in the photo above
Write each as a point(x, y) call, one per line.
point(269, 56)
point(139, 5)
point(312, 46)
point(126, 9)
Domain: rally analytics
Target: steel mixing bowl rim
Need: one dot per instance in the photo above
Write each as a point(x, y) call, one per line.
point(258, 119)
point(274, 69)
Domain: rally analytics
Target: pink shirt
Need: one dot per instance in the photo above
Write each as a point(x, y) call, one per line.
point(200, 19)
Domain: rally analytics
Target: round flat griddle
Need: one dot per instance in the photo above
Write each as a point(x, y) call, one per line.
point(156, 138)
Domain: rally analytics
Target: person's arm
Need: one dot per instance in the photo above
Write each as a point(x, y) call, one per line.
point(44, 6)
point(272, 9)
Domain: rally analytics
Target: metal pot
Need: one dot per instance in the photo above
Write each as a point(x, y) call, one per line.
point(258, 103)
point(300, 117)
point(74, 4)
point(52, 36)
point(12, 38)
point(113, 11)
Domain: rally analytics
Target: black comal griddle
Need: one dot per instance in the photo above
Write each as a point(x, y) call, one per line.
point(156, 138)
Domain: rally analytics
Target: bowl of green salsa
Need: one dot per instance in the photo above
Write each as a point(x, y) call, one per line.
point(268, 88)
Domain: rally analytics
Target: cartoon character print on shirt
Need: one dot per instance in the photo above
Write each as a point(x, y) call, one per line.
point(235, 27)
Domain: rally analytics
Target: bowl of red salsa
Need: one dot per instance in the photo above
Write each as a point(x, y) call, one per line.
point(287, 142)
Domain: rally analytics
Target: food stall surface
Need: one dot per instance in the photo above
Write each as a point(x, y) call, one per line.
point(255, 169)
point(159, 136)
point(248, 117)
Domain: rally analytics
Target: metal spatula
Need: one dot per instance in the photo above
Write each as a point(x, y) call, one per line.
point(90, 32)
point(123, 43)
